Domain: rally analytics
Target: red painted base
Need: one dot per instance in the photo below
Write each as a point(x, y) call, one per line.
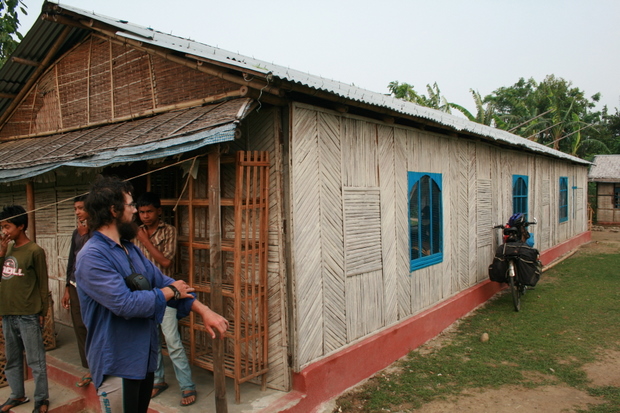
point(332, 375)
point(550, 255)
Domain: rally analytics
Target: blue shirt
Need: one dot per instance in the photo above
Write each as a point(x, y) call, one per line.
point(121, 324)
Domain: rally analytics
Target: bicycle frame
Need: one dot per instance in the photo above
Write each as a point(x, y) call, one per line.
point(516, 289)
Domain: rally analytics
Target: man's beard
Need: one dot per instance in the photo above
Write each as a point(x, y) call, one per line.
point(127, 230)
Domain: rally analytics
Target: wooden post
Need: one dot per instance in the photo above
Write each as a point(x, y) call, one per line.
point(215, 259)
point(32, 225)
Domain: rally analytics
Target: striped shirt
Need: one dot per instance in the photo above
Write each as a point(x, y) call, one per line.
point(165, 240)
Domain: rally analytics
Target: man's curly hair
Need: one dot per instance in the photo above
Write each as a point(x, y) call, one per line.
point(105, 192)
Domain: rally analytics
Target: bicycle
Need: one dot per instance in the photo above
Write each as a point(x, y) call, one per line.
point(515, 236)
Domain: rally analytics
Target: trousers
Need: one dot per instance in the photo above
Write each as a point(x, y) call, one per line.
point(182, 370)
point(24, 333)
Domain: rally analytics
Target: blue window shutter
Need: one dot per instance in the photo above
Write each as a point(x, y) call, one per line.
point(425, 219)
point(563, 199)
point(519, 194)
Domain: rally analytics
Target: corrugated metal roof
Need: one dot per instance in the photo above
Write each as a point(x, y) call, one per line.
point(605, 168)
point(159, 136)
point(252, 65)
point(34, 47)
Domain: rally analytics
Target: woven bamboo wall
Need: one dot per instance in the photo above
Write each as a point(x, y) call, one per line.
point(100, 81)
point(335, 158)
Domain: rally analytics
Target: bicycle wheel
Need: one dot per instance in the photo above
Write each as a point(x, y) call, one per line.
point(514, 290)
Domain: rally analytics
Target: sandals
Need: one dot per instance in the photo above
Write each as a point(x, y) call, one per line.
point(158, 388)
point(185, 394)
point(84, 381)
point(39, 404)
point(10, 403)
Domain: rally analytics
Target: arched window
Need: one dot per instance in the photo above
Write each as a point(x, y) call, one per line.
point(425, 219)
point(519, 194)
point(563, 199)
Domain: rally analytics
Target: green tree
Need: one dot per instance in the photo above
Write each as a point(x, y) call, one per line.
point(582, 143)
point(434, 99)
point(9, 24)
point(554, 113)
point(549, 112)
point(609, 130)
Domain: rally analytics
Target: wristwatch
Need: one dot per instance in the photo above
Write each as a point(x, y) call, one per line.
point(177, 293)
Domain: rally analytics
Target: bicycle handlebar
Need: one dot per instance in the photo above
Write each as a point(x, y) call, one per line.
point(526, 224)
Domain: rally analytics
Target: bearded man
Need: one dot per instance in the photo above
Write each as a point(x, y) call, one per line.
point(124, 297)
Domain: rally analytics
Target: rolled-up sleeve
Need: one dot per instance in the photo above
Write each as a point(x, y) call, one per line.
point(161, 280)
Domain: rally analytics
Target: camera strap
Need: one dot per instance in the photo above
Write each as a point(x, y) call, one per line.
point(133, 270)
point(134, 280)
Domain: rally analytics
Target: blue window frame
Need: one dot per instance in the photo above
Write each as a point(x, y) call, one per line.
point(563, 199)
point(425, 219)
point(519, 194)
point(617, 197)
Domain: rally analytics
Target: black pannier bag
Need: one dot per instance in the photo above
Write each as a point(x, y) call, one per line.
point(527, 265)
point(498, 269)
point(517, 249)
point(528, 271)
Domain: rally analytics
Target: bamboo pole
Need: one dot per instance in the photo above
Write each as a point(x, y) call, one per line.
point(152, 77)
point(33, 114)
point(60, 117)
point(90, 68)
point(32, 224)
point(192, 266)
point(239, 201)
point(26, 62)
point(215, 261)
point(111, 68)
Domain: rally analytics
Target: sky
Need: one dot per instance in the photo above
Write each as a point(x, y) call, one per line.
point(461, 45)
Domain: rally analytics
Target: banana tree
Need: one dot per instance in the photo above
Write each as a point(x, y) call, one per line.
point(484, 115)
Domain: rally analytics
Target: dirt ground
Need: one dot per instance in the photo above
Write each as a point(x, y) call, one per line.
point(547, 399)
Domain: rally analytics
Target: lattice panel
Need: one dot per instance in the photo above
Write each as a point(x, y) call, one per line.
point(362, 230)
point(578, 199)
point(545, 192)
point(485, 213)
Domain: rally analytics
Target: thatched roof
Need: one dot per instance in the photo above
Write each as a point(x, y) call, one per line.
point(154, 137)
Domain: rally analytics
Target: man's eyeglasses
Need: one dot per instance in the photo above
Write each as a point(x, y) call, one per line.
point(132, 205)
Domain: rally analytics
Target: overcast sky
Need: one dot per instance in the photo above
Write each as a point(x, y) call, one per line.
point(461, 45)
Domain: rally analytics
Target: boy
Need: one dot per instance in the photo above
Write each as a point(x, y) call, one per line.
point(158, 240)
point(70, 299)
point(23, 306)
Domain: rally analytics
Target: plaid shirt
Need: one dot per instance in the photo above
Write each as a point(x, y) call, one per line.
point(165, 240)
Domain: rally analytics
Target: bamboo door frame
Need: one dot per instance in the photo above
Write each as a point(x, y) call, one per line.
point(251, 207)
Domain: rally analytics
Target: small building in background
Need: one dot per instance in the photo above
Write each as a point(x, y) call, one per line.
point(605, 173)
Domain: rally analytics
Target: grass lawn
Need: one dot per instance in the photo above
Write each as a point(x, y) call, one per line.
point(569, 319)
